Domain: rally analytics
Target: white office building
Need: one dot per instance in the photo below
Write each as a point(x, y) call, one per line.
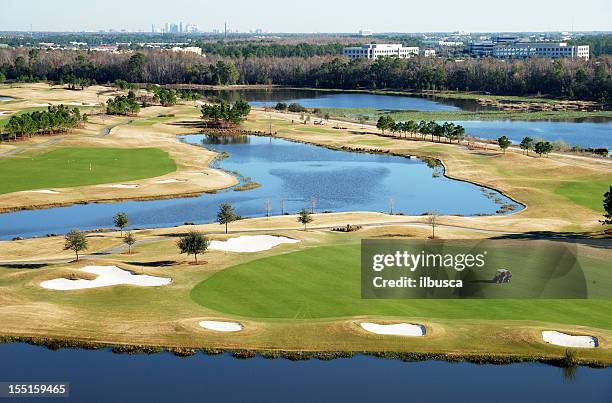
point(428, 52)
point(376, 50)
point(541, 49)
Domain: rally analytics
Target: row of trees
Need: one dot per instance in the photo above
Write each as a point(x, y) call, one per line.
point(574, 78)
point(224, 114)
point(447, 130)
point(193, 243)
point(56, 119)
point(123, 105)
point(540, 147)
point(453, 132)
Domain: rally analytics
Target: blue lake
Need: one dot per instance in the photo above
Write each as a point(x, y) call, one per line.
point(288, 171)
point(101, 376)
point(586, 134)
point(330, 99)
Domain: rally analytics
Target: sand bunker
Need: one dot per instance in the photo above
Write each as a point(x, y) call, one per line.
point(46, 191)
point(47, 104)
point(123, 186)
point(107, 276)
point(398, 329)
point(221, 326)
point(250, 243)
point(199, 173)
point(171, 181)
point(567, 340)
point(5, 113)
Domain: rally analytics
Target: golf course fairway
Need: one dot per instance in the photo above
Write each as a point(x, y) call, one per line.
point(70, 167)
point(324, 282)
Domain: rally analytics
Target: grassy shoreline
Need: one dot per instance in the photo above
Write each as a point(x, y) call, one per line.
point(434, 94)
point(561, 116)
point(566, 360)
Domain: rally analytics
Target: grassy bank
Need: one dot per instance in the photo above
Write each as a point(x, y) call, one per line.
point(71, 166)
point(374, 114)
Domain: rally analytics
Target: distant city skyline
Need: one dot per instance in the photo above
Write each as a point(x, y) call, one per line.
point(340, 16)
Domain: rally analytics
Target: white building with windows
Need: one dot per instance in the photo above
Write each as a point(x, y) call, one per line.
point(541, 49)
point(376, 50)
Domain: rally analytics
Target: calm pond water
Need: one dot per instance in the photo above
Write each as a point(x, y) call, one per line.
point(586, 134)
point(330, 99)
point(293, 172)
point(101, 376)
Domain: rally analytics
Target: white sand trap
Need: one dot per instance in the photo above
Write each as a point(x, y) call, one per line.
point(45, 191)
point(567, 340)
point(47, 104)
point(5, 113)
point(170, 181)
point(250, 243)
point(123, 186)
point(107, 276)
point(199, 173)
point(221, 326)
point(398, 329)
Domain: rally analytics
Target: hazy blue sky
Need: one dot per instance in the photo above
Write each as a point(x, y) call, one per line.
point(310, 16)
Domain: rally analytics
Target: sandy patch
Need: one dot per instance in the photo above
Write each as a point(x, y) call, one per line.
point(45, 191)
point(123, 186)
point(5, 113)
point(398, 329)
point(164, 181)
point(199, 173)
point(567, 340)
point(107, 276)
point(221, 326)
point(250, 243)
point(37, 105)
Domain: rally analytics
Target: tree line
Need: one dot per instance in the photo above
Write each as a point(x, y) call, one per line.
point(266, 49)
point(447, 130)
point(571, 78)
point(56, 119)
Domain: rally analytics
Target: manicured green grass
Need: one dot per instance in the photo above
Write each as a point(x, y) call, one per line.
point(150, 121)
point(373, 142)
point(69, 167)
point(587, 193)
point(325, 282)
point(314, 130)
